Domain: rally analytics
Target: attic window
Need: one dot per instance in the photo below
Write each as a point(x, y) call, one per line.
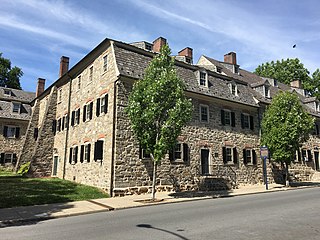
point(266, 91)
point(16, 107)
point(7, 92)
point(233, 89)
point(317, 106)
point(148, 47)
point(236, 69)
point(219, 70)
point(203, 80)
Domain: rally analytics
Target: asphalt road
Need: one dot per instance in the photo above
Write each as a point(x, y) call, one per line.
point(279, 215)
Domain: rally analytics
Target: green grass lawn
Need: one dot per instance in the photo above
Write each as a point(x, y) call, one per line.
point(20, 191)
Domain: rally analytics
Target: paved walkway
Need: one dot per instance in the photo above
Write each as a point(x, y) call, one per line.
point(20, 215)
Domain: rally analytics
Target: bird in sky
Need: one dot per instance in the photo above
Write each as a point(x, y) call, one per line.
point(294, 46)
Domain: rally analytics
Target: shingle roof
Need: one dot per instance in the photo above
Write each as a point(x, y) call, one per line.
point(17, 95)
point(132, 62)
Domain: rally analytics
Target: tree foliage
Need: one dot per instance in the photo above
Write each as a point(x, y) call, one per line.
point(285, 126)
point(158, 108)
point(9, 76)
point(288, 70)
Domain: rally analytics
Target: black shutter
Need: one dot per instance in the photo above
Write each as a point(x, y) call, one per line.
point(67, 122)
point(14, 159)
point(171, 154)
point(242, 120)
point(140, 152)
point(251, 123)
point(89, 150)
point(2, 158)
point(91, 110)
point(244, 156)
point(224, 155)
point(59, 124)
point(84, 113)
point(317, 129)
point(233, 119)
point(54, 126)
point(222, 117)
point(185, 152)
point(35, 133)
point(235, 155)
point(76, 154)
point(98, 150)
point(254, 157)
point(72, 118)
point(17, 132)
point(5, 131)
point(70, 156)
point(98, 107)
point(62, 124)
point(309, 155)
point(81, 153)
point(105, 103)
point(78, 113)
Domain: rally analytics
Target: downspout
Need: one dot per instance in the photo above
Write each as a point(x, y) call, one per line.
point(113, 135)
point(67, 130)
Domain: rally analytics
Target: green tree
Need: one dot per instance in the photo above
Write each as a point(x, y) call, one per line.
point(158, 108)
point(9, 77)
point(285, 126)
point(288, 70)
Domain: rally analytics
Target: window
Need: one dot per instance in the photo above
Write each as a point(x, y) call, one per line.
point(79, 82)
point(179, 153)
point(16, 107)
point(87, 111)
point(266, 91)
point(204, 113)
point(304, 154)
point(98, 150)
point(249, 156)
point(90, 74)
point(60, 95)
point(233, 89)
point(219, 70)
point(59, 125)
point(85, 153)
point(105, 63)
point(7, 92)
point(246, 121)
point(35, 133)
point(75, 117)
point(65, 122)
point(228, 118)
point(148, 47)
point(11, 132)
point(102, 105)
point(203, 79)
point(73, 156)
point(230, 155)
point(8, 158)
point(143, 154)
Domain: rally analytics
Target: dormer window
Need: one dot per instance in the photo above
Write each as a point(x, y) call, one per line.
point(233, 89)
point(16, 107)
point(236, 69)
point(203, 81)
point(317, 106)
point(7, 92)
point(219, 70)
point(266, 91)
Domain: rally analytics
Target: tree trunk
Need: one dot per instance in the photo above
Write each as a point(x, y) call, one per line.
point(154, 176)
point(287, 175)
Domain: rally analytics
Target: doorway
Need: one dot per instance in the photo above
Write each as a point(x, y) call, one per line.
point(55, 165)
point(317, 160)
point(205, 161)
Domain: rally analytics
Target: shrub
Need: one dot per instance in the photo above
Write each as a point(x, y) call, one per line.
point(23, 170)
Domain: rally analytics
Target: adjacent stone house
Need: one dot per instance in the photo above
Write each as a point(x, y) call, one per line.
point(15, 114)
point(84, 134)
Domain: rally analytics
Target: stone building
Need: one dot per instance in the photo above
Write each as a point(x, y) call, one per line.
point(15, 114)
point(84, 134)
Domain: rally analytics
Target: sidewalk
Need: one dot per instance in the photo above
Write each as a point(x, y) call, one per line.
point(22, 215)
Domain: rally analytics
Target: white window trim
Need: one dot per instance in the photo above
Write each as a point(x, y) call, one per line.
point(227, 111)
point(102, 98)
point(264, 91)
point(76, 117)
point(251, 156)
point(17, 103)
point(206, 79)
point(85, 156)
point(200, 113)
point(231, 162)
point(231, 85)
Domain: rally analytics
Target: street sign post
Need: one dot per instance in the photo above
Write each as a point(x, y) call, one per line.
point(264, 154)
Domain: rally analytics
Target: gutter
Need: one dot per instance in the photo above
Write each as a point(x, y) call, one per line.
point(67, 130)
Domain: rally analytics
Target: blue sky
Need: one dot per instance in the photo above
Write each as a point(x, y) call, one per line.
point(34, 34)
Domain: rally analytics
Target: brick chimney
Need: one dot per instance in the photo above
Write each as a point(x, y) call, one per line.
point(296, 84)
point(187, 53)
point(64, 65)
point(40, 86)
point(158, 43)
point(231, 58)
